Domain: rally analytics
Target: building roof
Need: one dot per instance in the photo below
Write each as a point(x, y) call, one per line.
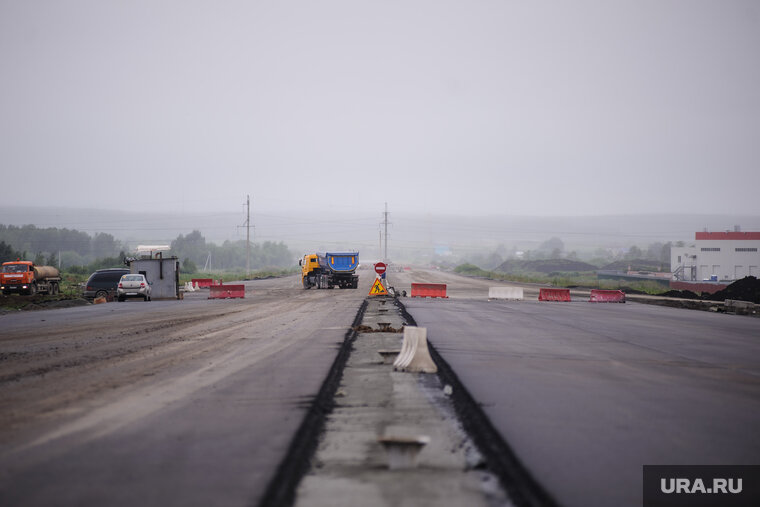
point(728, 235)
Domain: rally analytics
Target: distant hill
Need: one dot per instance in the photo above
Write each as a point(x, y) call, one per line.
point(545, 266)
point(412, 236)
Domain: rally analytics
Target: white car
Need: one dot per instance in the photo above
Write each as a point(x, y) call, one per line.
point(133, 286)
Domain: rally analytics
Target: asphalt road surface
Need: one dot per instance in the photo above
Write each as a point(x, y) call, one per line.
point(188, 402)
point(194, 402)
point(588, 393)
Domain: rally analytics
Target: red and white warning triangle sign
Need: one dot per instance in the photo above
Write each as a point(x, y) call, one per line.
point(378, 289)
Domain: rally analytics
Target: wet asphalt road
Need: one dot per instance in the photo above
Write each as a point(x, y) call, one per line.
point(197, 412)
point(587, 394)
point(194, 402)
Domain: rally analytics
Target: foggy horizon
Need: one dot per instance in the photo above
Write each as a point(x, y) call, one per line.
point(487, 108)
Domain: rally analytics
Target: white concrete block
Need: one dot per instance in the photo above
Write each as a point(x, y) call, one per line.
point(505, 293)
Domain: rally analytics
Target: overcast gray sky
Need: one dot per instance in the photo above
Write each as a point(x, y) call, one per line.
point(476, 107)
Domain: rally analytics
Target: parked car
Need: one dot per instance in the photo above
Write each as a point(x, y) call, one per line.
point(133, 286)
point(103, 282)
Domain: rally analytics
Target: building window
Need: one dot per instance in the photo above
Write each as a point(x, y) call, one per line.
point(710, 249)
point(746, 249)
point(679, 259)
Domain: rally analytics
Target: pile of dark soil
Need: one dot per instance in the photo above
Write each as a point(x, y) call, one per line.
point(546, 266)
point(746, 289)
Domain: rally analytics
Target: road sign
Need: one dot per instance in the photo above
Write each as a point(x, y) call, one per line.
point(380, 268)
point(378, 289)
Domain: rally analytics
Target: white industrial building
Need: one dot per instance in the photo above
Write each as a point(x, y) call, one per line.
point(718, 257)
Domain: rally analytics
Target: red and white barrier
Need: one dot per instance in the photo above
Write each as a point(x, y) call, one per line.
point(429, 290)
point(226, 291)
point(203, 283)
point(554, 295)
point(607, 296)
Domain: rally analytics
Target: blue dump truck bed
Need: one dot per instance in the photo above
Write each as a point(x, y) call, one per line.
point(339, 262)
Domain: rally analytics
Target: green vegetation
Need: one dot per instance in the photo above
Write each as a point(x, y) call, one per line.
point(78, 252)
point(231, 255)
point(48, 245)
point(237, 275)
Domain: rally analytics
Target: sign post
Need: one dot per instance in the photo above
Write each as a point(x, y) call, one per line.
point(378, 289)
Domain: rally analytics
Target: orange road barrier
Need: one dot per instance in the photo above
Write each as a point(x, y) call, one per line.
point(554, 295)
point(226, 291)
point(203, 283)
point(429, 290)
point(607, 296)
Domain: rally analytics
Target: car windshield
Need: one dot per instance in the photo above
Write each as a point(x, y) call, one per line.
point(132, 278)
point(14, 268)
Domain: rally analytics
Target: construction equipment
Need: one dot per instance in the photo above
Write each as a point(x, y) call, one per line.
point(330, 269)
point(26, 278)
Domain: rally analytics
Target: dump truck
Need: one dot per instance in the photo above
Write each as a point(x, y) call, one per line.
point(26, 278)
point(330, 269)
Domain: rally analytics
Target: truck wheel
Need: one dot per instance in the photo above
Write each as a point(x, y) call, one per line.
point(33, 289)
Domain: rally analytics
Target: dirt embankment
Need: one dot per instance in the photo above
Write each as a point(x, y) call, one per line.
point(39, 302)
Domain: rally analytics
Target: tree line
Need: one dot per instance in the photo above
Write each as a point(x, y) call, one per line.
point(76, 251)
point(195, 252)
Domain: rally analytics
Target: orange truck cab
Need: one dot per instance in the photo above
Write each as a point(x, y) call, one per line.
point(24, 277)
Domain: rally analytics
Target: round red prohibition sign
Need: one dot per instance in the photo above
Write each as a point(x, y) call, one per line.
point(380, 268)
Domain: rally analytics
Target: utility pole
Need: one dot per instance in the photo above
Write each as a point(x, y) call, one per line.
point(248, 239)
point(386, 232)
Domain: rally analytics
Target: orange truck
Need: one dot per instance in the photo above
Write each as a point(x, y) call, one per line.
point(26, 278)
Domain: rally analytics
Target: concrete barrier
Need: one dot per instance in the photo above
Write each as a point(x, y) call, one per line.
point(226, 291)
point(203, 283)
point(554, 295)
point(739, 307)
point(415, 356)
point(607, 296)
point(429, 290)
point(505, 293)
